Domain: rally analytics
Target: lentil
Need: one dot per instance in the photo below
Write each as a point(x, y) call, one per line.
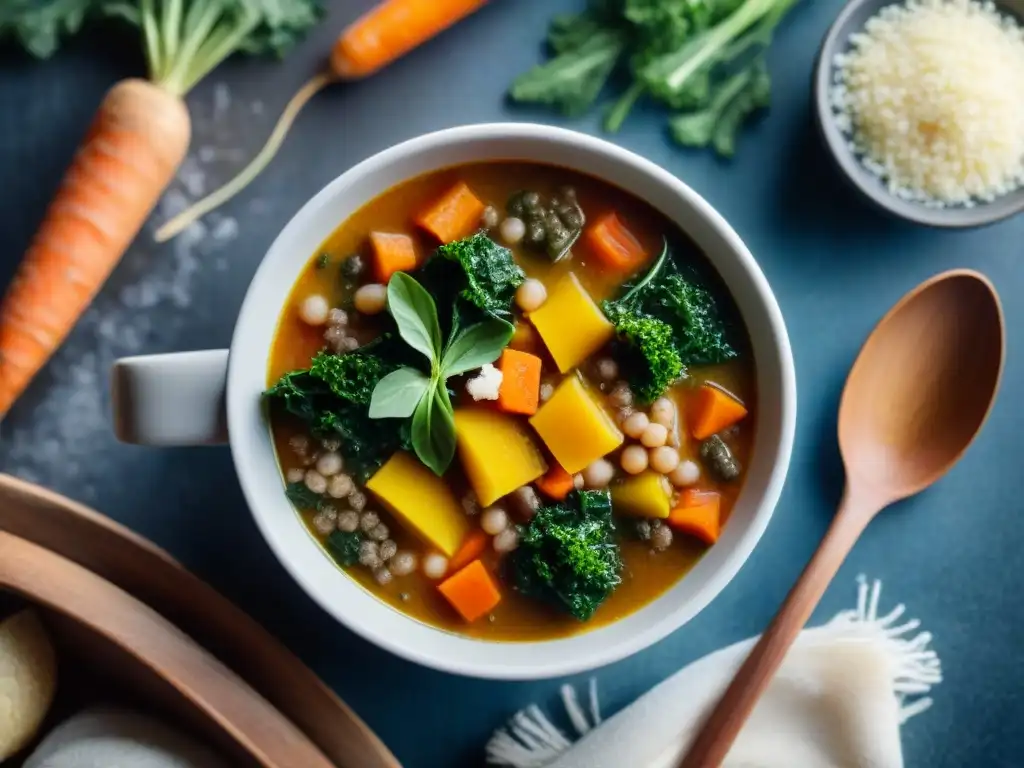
point(526, 502)
point(325, 521)
point(470, 505)
point(607, 369)
point(295, 475)
point(380, 532)
point(382, 575)
point(337, 317)
point(369, 554)
point(353, 266)
point(546, 391)
point(661, 538)
point(621, 395)
point(335, 337)
point(357, 500)
point(490, 217)
point(643, 530)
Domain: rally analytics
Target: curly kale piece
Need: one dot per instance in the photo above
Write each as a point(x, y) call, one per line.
point(666, 323)
point(303, 498)
point(648, 347)
point(343, 546)
point(332, 398)
point(484, 274)
point(568, 556)
point(717, 124)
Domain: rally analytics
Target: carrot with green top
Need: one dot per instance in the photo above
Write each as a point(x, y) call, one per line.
point(712, 410)
point(138, 138)
point(383, 34)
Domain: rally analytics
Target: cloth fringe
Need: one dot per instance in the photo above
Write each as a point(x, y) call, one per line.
point(531, 740)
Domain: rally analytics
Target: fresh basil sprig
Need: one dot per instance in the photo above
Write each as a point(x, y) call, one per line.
point(412, 392)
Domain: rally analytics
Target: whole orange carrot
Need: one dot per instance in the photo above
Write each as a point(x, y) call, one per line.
point(383, 34)
point(138, 138)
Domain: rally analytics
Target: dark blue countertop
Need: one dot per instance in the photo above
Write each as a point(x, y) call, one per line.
point(954, 555)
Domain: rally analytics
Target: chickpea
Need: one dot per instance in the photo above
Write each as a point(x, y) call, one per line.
point(635, 424)
point(598, 474)
point(506, 541)
point(633, 459)
point(403, 563)
point(663, 411)
point(314, 309)
point(607, 369)
point(687, 473)
point(494, 520)
point(664, 459)
point(371, 298)
point(316, 482)
point(329, 463)
point(654, 436)
point(531, 295)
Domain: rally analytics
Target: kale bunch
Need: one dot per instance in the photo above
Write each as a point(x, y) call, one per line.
point(700, 57)
point(666, 323)
point(567, 554)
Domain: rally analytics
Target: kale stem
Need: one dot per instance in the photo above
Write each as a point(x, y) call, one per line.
point(651, 274)
point(621, 109)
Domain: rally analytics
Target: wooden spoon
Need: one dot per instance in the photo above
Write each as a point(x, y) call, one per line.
point(917, 395)
point(153, 577)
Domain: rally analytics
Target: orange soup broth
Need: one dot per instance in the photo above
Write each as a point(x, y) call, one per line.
point(645, 575)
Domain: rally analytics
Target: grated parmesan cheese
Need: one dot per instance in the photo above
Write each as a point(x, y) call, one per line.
point(931, 94)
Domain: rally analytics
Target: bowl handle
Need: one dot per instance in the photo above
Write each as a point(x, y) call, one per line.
point(170, 400)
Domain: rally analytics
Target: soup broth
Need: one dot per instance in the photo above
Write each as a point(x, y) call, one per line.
point(347, 261)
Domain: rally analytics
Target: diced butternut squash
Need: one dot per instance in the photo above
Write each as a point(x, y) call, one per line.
point(391, 253)
point(520, 382)
point(455, 215)
point(422, 501)
point(698, 514)
point(497, 453)
point(645, 495)
point(572, 326)
point(614, 245)
point(712, 410)
point(471, 591)
point(575, 427)
point(556, 484)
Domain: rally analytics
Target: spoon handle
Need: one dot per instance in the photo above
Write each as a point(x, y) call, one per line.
point(721, 727)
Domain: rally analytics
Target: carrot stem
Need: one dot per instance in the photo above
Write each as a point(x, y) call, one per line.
point(180, 222)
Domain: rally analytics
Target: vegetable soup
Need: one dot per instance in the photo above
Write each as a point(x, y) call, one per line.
point(511, 400)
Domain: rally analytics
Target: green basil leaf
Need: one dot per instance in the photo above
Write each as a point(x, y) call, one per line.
point(433, 430)
point(479, 344)
point(398, 393)
point(416, 315)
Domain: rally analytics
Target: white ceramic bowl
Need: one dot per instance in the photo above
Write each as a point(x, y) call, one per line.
point(357, 608)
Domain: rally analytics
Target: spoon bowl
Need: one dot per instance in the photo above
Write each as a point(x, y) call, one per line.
point(916, 397)
point(922, 385)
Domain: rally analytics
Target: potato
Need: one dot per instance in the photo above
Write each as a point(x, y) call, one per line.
point(28, 679)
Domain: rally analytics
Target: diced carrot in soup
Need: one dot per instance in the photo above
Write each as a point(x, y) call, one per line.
point(471, 591)
point(391, 253)
point(698, 514)
point(520, 382)
point(556, 484)
point(614, 245)
point(713, 410)
point(455, 215)
point(472, 547)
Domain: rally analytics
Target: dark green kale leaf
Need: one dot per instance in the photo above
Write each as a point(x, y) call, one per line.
point(332, 399)
point(490, 273)
point(568, 556)
point(666, 323)
point(303, 498)
point(343, 546)
point(39, 25)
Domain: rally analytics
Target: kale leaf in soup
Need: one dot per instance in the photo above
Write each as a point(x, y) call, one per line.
point(568, 555)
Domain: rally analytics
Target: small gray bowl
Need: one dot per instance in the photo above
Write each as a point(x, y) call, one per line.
point(852, 19)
